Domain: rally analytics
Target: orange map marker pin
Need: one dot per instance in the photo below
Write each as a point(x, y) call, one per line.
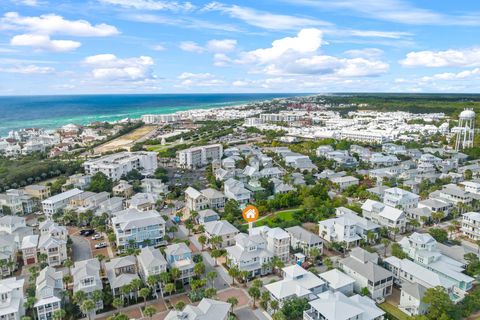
point(250, 213)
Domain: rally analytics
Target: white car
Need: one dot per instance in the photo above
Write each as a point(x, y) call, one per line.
point(97, 236)
point(100, 245)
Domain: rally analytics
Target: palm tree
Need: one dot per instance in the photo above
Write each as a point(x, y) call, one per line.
point(203, 240)
point(149, 311)
point(136, 284)
point(87, 307)
point(328, 263)
point(175, 274)
point(126, 290)
point(215, 241)
point(211, 275)
point(59, 314)
point(451, 230)
point(370, 236)
point(314, 253)
point(79, 297)
point(385, 243)
point(117, 303)
point(233, 302)
point(199, 269)
point(414, 223)
point(169, 288)
point(97, 296)
point(244, 275)
point(216, 253)
point(274, 305)
point(144, 293)
point(233, 272)
point(254, 292)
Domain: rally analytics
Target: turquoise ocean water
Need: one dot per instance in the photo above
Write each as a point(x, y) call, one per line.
point(49, 112)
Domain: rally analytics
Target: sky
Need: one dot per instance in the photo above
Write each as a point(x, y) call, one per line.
point(313, 46)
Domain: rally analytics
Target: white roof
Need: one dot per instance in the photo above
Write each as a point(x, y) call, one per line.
point(472, 216)
point(207, 309)
point(336, 279)
point(29, 241)
point(63, 196)
point(220, 228)
point(336, 306)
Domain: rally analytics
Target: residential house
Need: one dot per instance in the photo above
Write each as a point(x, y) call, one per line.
point(179, 255)
point(338, 281)
point(344, 182)
point(207, 215)
point(123, 189)
point(278, 241)
point(207, 309)
point(215, 198)
point(297, 283)
point(337, 306)
point(384, 215)
point(53, 242)
point(411, 297)
point(134, 228)
point(363, 267)
point(366, 229)
point(304, 240)
point(471, 225)
point(222, 229)
point(29, 249)
point(151, 262)
point(155, 186)
point(53, 204)
point(250, 254)
point(49, 289)
point(12, 299)
point(86, 278)
point(399, 198)
point(341, 229)
point(121, 271)
point(236, 190)
point(142, 201)
point(422, 249)
point(38, 191)
point(195, 200)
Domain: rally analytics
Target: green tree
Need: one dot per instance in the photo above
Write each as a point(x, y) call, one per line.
point(100, 183)
point(179, 305)
point(274, 306)
point(294, 308)
point(202, 239)
point(59, 314)
point(199, 269)
point(254, 292)
point(211, 275)
point(397, 251)
point(149, 311)
point(169, 288)
point(233, 302)
point(233, 272)
point(144, 293)
point(385, 242)
point(117, 303)
point(440, 305)
point(364, 291)
point(87, 307)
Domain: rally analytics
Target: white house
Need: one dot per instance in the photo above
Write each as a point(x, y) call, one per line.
point(399, 198)
point(363, 267)
point(223, 229)
point(471, 225)
point(249, 254)
point(86, 278)
point(411, 299)
point(11, 299)
point(278, 241)
point(207, 309)
point(384, 215)
point(236, 190)
point(151, 262)
point(344, 182)
point(337, 306)
point(49, 288)
point(138, 228)
point(341, 229)
point(179, 255)
point(304, 239)
point(338, 281)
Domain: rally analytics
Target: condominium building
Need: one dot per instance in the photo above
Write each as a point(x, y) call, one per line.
point(198, 157)
point(160, 118)
point(58, 202)
point(116, 165)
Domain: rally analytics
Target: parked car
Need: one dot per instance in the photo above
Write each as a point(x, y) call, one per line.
point(101, 245)
point(87, 232)
point(97, 236)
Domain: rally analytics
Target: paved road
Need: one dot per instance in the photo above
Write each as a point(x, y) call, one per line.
point(81, 248)
point(245, 313)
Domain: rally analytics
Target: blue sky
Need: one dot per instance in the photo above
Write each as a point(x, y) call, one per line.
point(154, 46)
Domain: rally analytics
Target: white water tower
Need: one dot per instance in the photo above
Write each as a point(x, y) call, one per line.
point(466, 129)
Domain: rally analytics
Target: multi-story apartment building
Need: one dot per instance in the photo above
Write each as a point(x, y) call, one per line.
point(116, 165)
point(136, 228)
point(198, 157)
point(160, 118)
point(58, 202)
point(471, 225)
point(38, 191)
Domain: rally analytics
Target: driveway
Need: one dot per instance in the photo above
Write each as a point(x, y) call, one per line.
point(245, 313)
point(221, 282)
point(80, 248)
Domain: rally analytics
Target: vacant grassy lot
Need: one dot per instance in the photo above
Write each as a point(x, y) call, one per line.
point(393, 311)
point(284, 215)
point(126, 141)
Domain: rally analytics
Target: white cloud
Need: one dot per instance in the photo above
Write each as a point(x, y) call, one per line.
point(262, 19)
point(191, 46)
point(189, 79)
point(447, 76)
point(448, 58)
point(158, 47)
point(221, 45)
point(306, 41)
point(28, 3)
point(398, 11)
point(221, 60)
point(28, 69)
point(151, 4)
point(109, 67)
point(299, 55)
point(43, 42)
point(364, 53)
point(50, 24)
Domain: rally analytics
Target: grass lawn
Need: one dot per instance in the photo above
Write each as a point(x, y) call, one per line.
point(157, 147)
point(285, 215)
point(393, 311)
